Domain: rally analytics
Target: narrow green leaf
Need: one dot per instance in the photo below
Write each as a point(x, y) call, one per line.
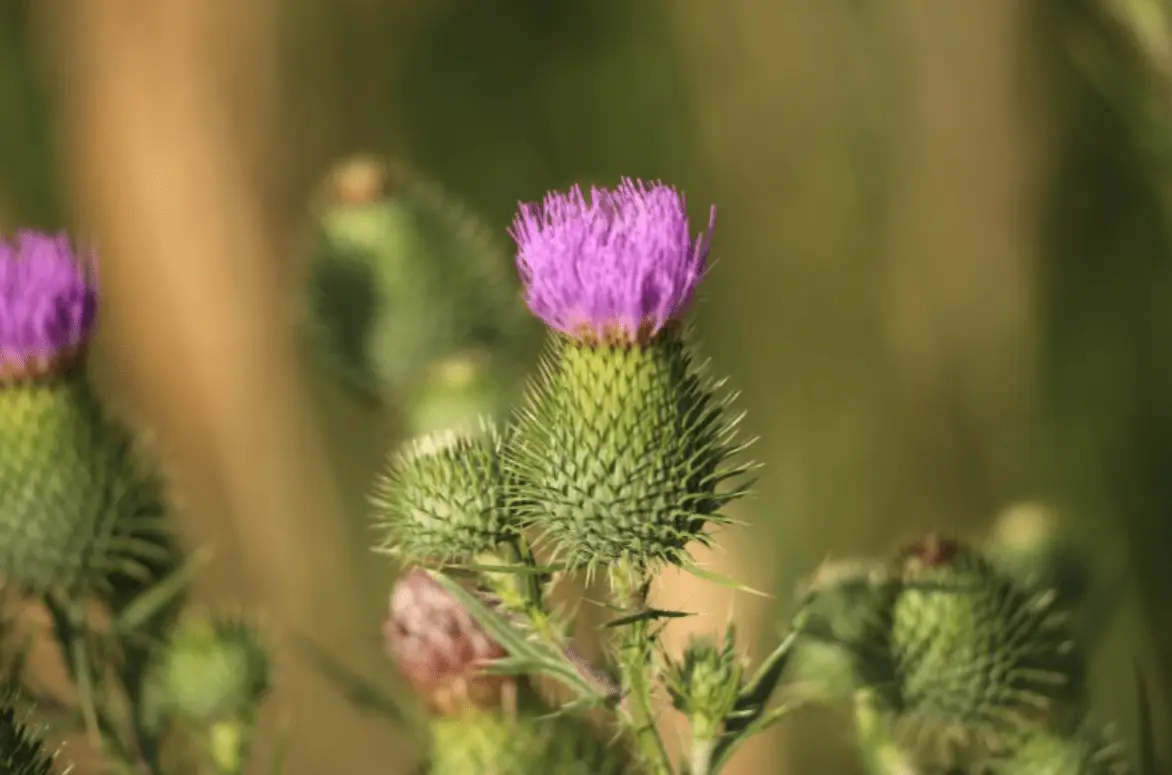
point(731, 743)
point(541, 658)
point(724, 581)
point(647, 614)
point(360, 691)
point(159, 595)
point(519, 570)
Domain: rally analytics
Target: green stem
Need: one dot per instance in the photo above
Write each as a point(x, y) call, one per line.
point(635, 658)
point(880, 753)
point(702, 754)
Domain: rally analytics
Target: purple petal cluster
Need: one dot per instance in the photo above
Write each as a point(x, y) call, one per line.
point(48, 300)
point(616, 268)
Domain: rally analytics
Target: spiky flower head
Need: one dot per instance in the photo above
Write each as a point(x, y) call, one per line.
point(47, 305)
point(492, 743)
point(440, 650)
point(977, 658)
point(617, 267)
point(215, 668)
point(624, 440)
point(76, 494)
point(443, 498)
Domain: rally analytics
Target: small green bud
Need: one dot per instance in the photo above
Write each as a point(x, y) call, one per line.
point(706, 683)
point(843, 623)
point(1029, 544)
point(399, 275)
point(214, 669)
point(974, 652)
point(443, 498)
point(620, 453)
point(455, 393)
point(21, 750)
point(480, 742)
point(1086, 751)
point(75, 496)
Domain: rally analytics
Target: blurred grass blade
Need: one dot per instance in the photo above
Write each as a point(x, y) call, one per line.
point(360, 691)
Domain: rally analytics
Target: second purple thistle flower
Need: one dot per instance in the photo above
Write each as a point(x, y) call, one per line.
point(75, 497)
point(624, 441)
point(617, 267)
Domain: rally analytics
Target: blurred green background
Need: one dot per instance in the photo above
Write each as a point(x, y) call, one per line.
point(943, 287)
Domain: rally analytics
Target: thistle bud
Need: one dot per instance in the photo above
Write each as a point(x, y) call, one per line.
point(975, 652)
point(443, 498)
point(440, 649)
point(843, 623)
point(214, 670)
point(72, 485)
point(490, 743)
point(1030, 545)
point(398, 276)
point(455, 393)
point(21, 750)
point(623, 443)
point(705, 685)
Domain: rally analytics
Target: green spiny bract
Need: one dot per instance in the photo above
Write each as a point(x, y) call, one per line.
point(443, 498)
point(212, 669)
point(1088, 750)
point(479, 742)
point(977, 659)
point(398, 280)
point(620, 451)
point(77, 502)
point(21, 750)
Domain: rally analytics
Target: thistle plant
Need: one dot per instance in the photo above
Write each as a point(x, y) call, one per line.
point(84, 539)
point(956, 657)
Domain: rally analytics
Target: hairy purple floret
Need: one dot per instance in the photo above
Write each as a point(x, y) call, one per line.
point(48, 300)
point(617, 268)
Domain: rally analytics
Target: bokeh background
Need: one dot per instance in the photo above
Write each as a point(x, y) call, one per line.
point(944, 287)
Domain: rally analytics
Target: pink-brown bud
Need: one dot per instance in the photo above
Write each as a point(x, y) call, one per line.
point(439, 648)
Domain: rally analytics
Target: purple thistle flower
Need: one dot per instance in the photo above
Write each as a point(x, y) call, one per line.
point(616, 269)
point(47, 304)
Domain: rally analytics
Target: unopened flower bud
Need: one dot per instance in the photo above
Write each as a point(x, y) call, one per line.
point(440, 649)
point(1030, 544)
point(843, 624)
point(398, 278)
point(481, 742)
point(973, 650)
point(456, 393)
point(623, 444)
point(443, 498)
point(214, 669)
point(705, 684)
